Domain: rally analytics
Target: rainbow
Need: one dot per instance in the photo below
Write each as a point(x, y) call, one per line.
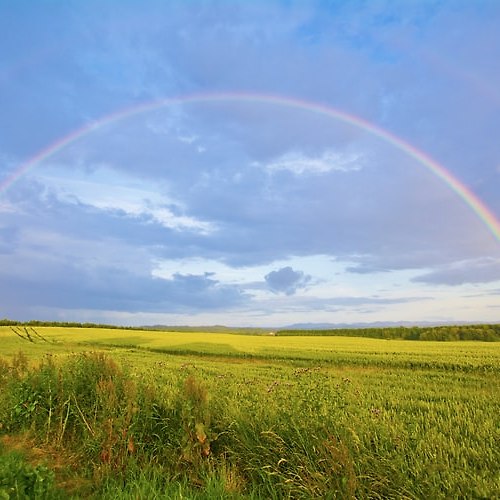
point(468, 197)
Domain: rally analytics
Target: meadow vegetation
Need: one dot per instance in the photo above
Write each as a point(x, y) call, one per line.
point(109, 413)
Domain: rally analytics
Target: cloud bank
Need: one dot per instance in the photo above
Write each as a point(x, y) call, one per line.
point(290, 215)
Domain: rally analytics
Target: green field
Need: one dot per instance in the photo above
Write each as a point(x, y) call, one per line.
point(150, 414)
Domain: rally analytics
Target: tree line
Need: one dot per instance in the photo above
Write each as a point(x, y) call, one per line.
point(485, 332)
point(65, 324)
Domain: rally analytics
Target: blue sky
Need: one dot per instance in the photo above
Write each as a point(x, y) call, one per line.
point(248, 211)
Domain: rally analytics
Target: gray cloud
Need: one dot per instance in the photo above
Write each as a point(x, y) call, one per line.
point(293, 304)
point(286, 280)
point(485, 270)
point(114, 289)
point(8, 239)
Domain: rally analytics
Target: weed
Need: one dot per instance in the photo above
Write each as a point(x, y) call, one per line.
point(195, 420)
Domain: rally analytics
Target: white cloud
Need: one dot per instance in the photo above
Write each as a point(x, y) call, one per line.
point(300, 164)
point(107, 189)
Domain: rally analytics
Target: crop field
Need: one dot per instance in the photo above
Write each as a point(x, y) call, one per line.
point(110, 413)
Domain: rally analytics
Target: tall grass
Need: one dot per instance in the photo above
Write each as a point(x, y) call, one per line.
point(230, 428)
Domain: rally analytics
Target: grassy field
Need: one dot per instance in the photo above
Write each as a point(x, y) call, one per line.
point(109, 413)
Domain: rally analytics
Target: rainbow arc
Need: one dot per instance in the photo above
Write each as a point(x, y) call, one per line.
point(468, 197)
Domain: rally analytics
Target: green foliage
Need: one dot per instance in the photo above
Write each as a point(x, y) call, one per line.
point(309, 418)
point(487, 333)
point(21, 481)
